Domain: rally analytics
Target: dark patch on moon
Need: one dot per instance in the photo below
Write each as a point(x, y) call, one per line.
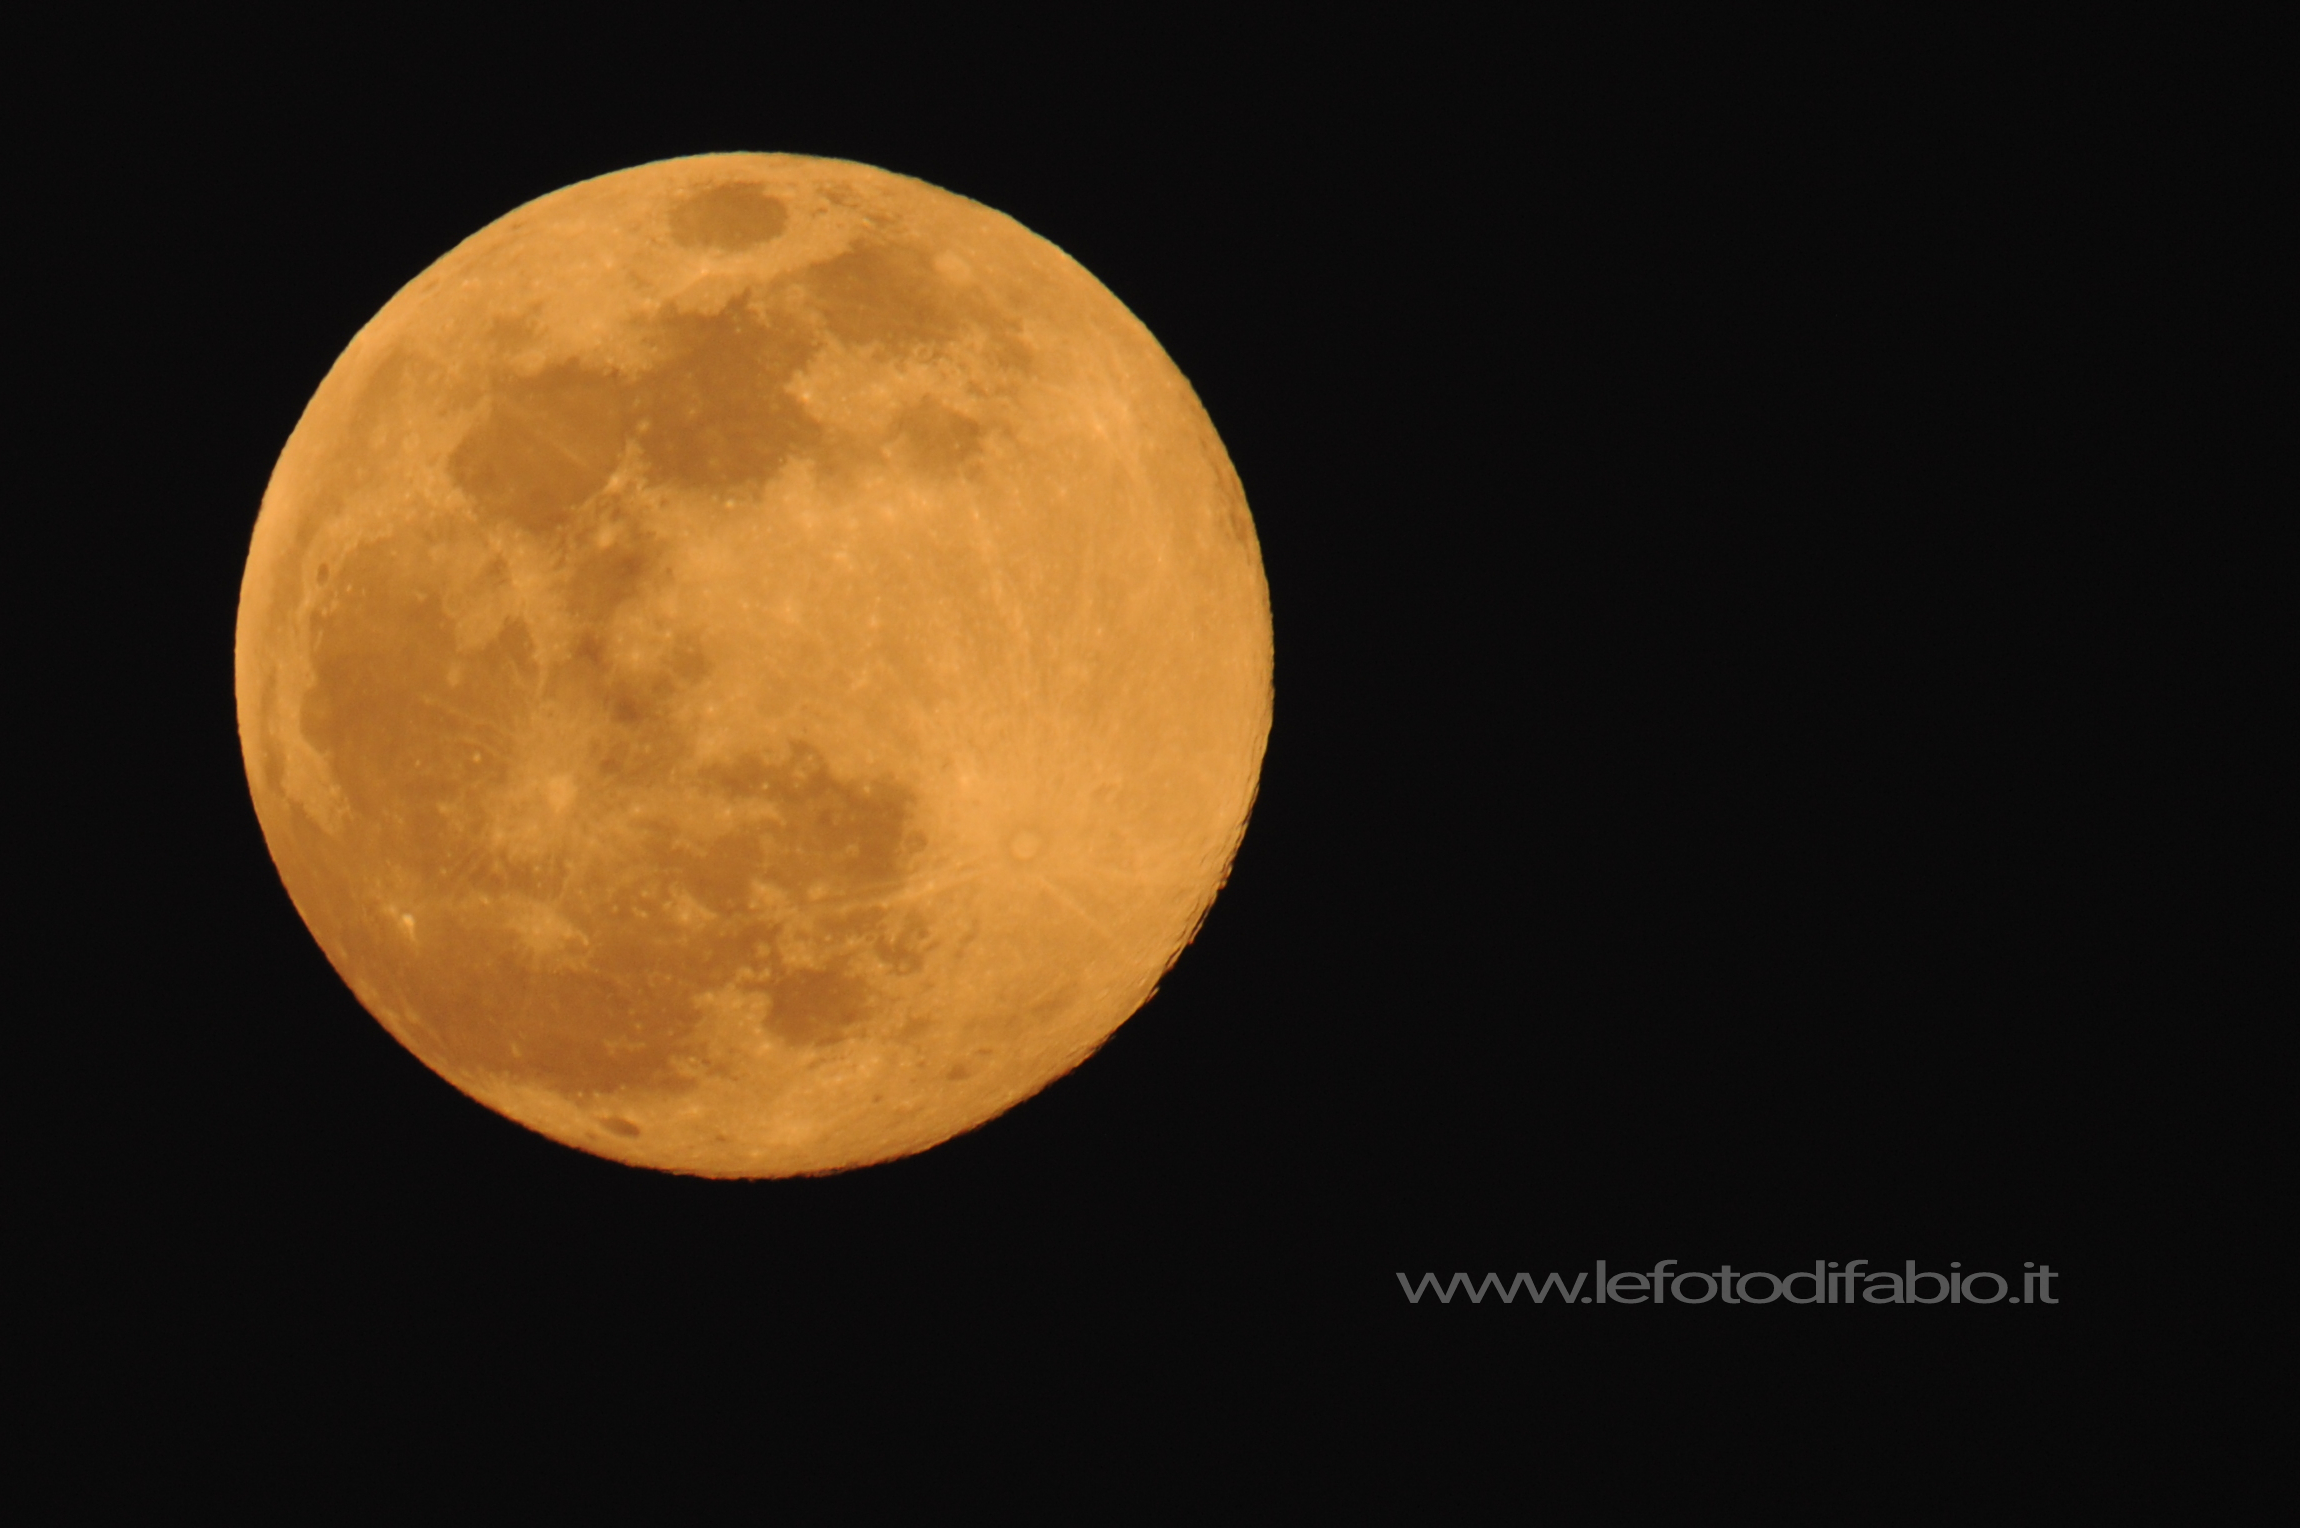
point(544, 445)
point(717, 411)
point(885, 294)
point(936, 439)
point(727, 218)
point(831, 834)
point(406, 719)
point(609, 557)
point(835, 849)
point(807, 1007)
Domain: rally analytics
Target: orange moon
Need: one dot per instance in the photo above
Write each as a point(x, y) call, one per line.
point(753, 665)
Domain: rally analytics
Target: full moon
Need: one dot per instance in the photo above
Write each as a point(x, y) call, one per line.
point(753, 665)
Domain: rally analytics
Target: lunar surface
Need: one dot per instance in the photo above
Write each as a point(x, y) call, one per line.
point(753, 665)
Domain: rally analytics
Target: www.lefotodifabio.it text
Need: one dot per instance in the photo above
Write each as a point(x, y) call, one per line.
point(1828, 1283)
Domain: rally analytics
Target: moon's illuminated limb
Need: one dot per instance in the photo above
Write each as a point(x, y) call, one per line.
point(753, 665)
